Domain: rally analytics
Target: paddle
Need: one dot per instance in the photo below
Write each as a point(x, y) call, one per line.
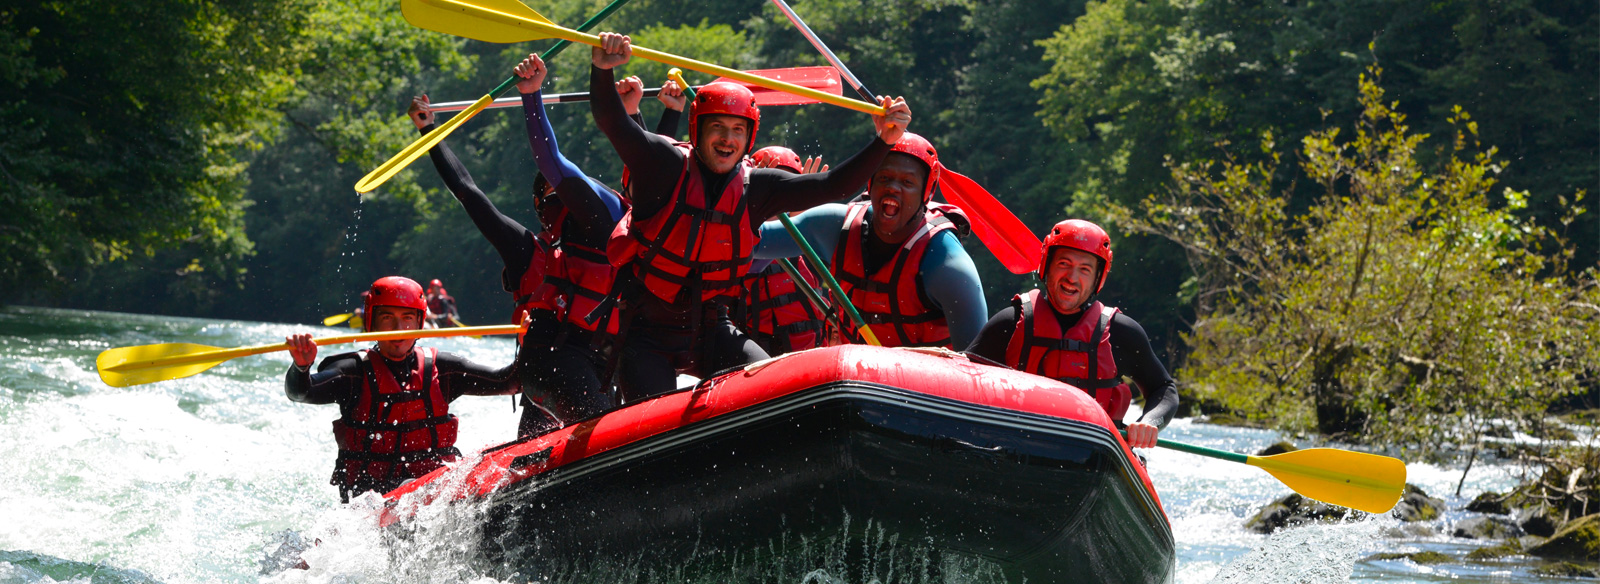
point(126, 366)
point(805, 249)
point(819, 78)
point(389, 168)
point(337, 318)
point(1367, 482)
point(810, 293)
point(510, 21)
point(1006, 236)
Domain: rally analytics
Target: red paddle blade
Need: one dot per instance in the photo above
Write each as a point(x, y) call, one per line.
point(996, 226)
point(819, 78)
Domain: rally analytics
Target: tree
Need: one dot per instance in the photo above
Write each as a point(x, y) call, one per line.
point(1400, 307)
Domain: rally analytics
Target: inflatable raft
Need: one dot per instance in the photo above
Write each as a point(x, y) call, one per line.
point(953, 457)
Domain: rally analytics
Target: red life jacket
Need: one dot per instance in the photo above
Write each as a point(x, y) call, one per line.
point(1080, 356)
point(566, 279)
point(687, 245)
point(776, 313)
point(394, 434)
point(891, 300)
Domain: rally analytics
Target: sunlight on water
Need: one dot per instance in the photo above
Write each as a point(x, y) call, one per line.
point(201, 479)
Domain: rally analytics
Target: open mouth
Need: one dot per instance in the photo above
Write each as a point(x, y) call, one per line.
point(890, 206)
point(723, 153)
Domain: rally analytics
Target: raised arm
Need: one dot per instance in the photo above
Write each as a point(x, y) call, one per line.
point(593, 208)
point(648, 155)
point(509, 238)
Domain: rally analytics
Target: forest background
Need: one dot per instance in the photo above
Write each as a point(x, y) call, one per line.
point(197, 157)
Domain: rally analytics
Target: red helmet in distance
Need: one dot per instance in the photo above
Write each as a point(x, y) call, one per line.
point(393, 291)
point(919, 148)
point(1082, 236)
point(782, 158)
point(724, 98)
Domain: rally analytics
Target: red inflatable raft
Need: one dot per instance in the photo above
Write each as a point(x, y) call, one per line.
point(953, 458)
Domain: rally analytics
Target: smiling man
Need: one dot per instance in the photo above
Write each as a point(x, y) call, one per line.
point(685, 247)
point(897, 254)
point(1064, 333)
point(394, 399)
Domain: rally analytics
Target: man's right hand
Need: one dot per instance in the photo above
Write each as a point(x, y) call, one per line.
point(302, 349)
point(672, 96)
point(421, 111)
point(614, 49)
point(532, 71)
point(896, 116)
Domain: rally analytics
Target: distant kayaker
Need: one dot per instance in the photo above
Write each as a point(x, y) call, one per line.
point(559, 274)
point(394, 420)
point(774, 312)
point(685, 248)
point(1063, 332)
point(897, 254)
point(441, 306)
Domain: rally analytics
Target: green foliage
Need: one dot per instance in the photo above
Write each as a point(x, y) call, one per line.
point(1400, 307)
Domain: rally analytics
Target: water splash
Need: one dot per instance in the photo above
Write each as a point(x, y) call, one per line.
point(1313, 554)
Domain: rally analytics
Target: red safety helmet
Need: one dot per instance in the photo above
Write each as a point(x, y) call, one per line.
point(435, 283)
point(784, 158)
point(393, 291)
point(1082, 236)
point(724, 98)
point(922, 150)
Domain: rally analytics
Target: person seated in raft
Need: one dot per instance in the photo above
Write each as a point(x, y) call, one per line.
point(775, 313)
point(394, 399)
point(684, 249)
point(897, 254)
point(559, 274)
point(441, 306)
point(1063, 332)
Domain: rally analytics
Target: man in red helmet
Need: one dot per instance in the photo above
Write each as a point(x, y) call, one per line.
point(775, 312)
point(897, 255)
point(441, 306)
point(394, 399)
point(1061, 331)
point(684, 248)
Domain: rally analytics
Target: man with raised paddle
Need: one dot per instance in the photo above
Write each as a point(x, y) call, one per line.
point(1064, 333)
point(394, 399)
point(685, 247)
point(897, 255)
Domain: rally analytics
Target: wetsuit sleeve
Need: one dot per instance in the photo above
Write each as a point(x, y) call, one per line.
point(592, 208)
point(1130, 347)
point(509, 238)
point(951, 282)
point(331, 384)
point(652, 158)
point(995, 336)
point(637, 119)
point(668, 124)
point(820, 226)
point(774, 191)
point(458, 377)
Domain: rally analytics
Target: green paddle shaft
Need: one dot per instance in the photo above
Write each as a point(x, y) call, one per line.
point(810, 293)
point(1203, 451)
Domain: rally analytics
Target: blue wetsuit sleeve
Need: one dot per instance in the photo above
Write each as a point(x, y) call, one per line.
point(593, 209)
point(820, 226)
point(951, 282)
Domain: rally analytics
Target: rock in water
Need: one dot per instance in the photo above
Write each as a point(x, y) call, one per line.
point(1292, 511)
point(1541, 520)
point(1416, 505)
point(1489, 502)
point(1279, 447)
point(1487, 528)
point(1579, 539)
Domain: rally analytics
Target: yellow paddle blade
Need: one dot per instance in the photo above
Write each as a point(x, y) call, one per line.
point(356, 323)
point(394, 165)
point(1357, 480)
point(445, 19)
point(111, 360)
point(337, 318)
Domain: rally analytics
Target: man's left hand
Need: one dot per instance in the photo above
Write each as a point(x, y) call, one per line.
point(1142, 435)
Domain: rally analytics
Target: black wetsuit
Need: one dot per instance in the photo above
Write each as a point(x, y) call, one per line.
point(340, 379)
point(565, 378)
point(660, 340)
point(1130, 348)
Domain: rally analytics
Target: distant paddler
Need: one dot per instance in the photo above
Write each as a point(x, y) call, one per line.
point(441, 306)
point(394, 399)
point(685, 247)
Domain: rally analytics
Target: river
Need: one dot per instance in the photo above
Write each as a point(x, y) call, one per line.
point(200, 479)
